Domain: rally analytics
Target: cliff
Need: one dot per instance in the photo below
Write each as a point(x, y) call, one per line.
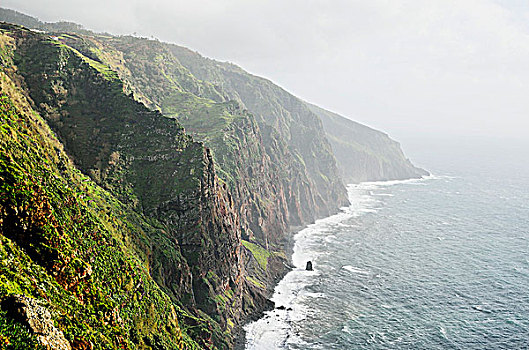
point(68, 243)
point(275, 182)
point(155, 189)
point(295, 124)
point(165, 240)
point(365, 154)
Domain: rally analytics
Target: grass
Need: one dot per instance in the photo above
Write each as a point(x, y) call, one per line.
point(255, 282)
point(106, 71)
point(62, 213)
point(71, 244)
point(14, 336)
point(259, 253)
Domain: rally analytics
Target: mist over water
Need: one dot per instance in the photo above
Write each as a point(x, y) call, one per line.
point(439, 263)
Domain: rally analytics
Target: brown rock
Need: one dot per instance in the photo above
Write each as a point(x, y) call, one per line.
point(38, 319)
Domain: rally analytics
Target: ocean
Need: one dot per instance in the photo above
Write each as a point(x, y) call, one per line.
point(436, 263)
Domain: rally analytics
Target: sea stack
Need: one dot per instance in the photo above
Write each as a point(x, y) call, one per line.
point(309, 266)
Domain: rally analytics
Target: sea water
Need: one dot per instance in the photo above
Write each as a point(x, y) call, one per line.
point(436, 263)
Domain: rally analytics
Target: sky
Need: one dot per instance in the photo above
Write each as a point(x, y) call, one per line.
point(437, 67)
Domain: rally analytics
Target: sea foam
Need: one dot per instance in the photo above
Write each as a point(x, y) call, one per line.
point(355, 270)
point(274, 330)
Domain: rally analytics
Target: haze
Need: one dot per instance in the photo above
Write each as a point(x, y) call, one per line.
point(405, 67)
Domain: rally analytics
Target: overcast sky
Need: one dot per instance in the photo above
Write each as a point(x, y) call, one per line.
point(445, 66)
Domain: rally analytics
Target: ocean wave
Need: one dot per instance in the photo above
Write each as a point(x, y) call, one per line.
point(314, 295)
point(372, 185)
point(355, 270)
point(367, 210)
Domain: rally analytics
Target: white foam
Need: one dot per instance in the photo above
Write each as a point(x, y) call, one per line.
point(376, 184)
point(355, 270)
point(368, 210)
point(315, 295)
point(330, 238)
point(274, 330)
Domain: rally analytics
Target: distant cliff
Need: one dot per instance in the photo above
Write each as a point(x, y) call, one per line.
point(154, 190)
point(365, 154)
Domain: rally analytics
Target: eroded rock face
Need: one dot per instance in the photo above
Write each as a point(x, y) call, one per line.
point(365, 154)
point(38, 319)
point(149, 163)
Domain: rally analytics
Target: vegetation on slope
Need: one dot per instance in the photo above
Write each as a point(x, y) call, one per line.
point(64, 243)
point(298, 127)
point(103, 252)
point(253, 173)
point(260, 254)
point(274, 160)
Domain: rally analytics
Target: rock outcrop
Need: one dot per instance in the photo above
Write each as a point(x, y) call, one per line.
point(38, 319)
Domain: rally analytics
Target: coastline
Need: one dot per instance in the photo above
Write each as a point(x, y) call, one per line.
point(241, 340)
point(290, 243)
point(240, 335)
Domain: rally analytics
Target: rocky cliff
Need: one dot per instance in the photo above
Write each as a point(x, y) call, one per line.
point(155, 189)
point(161, 204)
point(296, 125)
point(275, 182)
point(365, 154)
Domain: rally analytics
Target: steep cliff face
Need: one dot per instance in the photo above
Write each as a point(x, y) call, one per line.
point(365, 154)
point(298, 127)
point(269, 183)
point(68, 246)
point(151, 167)
point(159, 77)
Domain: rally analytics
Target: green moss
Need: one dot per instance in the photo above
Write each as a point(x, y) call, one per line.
point(14, 336)
point(259, 253)
point(255, 282)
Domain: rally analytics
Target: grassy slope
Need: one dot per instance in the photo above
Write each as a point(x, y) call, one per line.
point(160, 80)
point(73, 245)
point(154, 76)
point(64, 242)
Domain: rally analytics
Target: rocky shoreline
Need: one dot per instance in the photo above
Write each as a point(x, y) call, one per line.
point(240, 334)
